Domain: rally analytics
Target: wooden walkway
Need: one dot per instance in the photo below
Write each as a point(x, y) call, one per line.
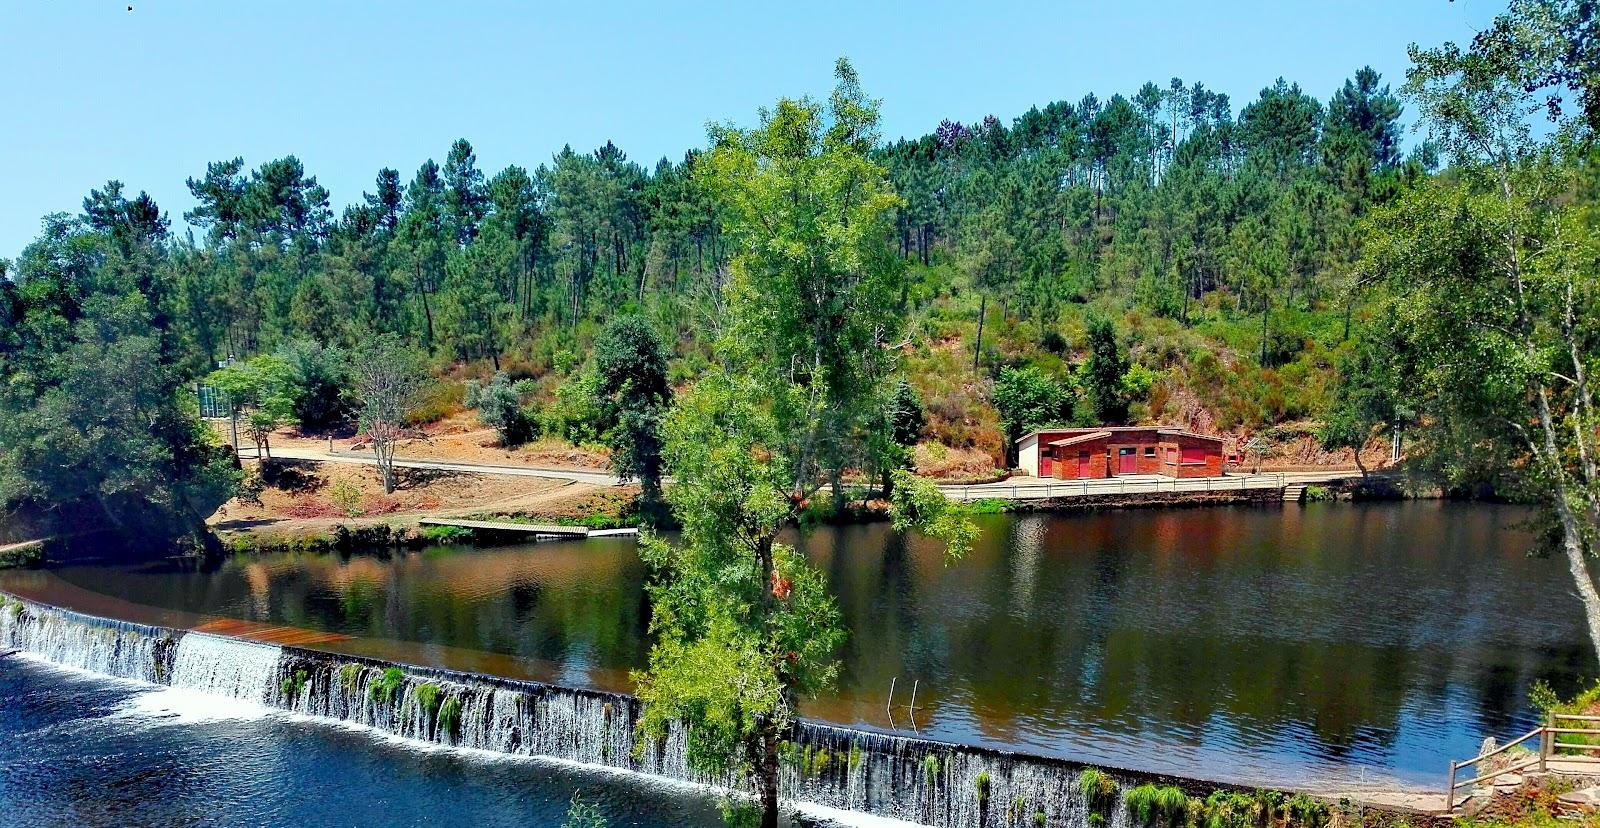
point(495, 526)
point(1044, 488)
point(268, 634)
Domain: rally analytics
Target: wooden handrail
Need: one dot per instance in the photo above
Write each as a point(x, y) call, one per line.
point(1503, 748)
point(1513, 767)
point(1548, 745)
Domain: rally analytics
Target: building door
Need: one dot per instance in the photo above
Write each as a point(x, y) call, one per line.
point(1046, 461)
point(1083, 464)
point(1127, 460)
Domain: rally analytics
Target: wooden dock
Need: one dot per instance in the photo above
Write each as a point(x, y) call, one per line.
point(496, 526)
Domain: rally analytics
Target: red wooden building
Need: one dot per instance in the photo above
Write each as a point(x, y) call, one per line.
point(1109, 451)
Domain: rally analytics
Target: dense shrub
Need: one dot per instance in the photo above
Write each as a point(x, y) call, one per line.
point(499, 406)
point(318, 377)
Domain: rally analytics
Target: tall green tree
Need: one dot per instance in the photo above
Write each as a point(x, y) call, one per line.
point(1103, 371)
point(814, 289)
point(744, 625)
point(1494, 286)
point(631, 362)
point(1029, 399)
point(94, 427)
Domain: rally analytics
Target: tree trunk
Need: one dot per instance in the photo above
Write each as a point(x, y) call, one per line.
point(1266, 305)
point(767, 780)
point(977, 347)
point(427, 313)
point(1571, 532)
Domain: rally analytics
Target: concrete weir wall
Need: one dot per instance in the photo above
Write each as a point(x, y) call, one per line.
point(915, 780)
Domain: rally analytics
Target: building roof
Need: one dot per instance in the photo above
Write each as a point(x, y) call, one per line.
point(1080, 434)
point(1082, 438)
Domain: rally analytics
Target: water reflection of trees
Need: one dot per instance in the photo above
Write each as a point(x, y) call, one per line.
point(1344, 625)
point(1352, 626)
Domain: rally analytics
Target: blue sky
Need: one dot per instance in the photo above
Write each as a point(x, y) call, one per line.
point(95, 92)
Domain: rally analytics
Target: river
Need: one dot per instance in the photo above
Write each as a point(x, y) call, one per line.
point(1327, 646)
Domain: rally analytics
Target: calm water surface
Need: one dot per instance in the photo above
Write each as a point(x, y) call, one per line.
point(1315, 645)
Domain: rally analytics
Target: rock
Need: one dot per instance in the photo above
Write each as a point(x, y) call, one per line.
point(1510, 781)
point(1586, 799)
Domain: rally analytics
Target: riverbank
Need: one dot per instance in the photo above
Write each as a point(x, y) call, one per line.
point(295, 504)
point(894, 776)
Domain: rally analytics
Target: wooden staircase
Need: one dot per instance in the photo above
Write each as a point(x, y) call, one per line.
point(1294, 492)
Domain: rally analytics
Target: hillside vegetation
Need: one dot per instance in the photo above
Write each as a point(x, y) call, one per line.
point(1221, 246)
point(1161, 255)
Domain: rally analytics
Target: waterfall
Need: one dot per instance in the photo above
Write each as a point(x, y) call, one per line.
point(112, 648)
point(225, 666)
point(911, 779)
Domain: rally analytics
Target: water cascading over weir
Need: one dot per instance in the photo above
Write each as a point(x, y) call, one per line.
point(915, 780)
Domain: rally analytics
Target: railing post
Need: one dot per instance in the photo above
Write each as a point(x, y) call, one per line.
point(1450, 792)
point(1545, 741)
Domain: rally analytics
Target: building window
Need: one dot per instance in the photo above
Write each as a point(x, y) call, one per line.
point(1149, 451)
point(1194, 454)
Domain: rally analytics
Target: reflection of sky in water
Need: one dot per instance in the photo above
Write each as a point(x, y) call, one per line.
point(1250, 643)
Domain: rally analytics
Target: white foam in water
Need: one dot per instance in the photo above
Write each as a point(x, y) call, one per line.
point(176, 705)
point(242, 670)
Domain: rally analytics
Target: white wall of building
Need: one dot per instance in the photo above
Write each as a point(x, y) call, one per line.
point(1028, 455)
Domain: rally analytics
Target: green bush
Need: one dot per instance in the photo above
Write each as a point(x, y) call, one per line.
point(317, 377)
point(1150, 805)
point(1097, 788)
point(1307, 811)
point(294, 685)
point(446, 534)
point(576, 415)
point(345, 497)
point(450, 716)
point(499, 406)
point(740, 814)
point(1230, 809)
point(386, 688)
point(428, 697)
point(436, 402)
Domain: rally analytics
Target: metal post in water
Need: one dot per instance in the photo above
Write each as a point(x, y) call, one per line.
point(889, 705)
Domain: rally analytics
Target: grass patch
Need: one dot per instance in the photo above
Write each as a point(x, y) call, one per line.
point(450, 716)
point(446, 534)
point(386, 688)
point(1318, 494)
point(428, 697)
point(1097, 788)
point(349, 674)
point(1151, 805)
point(294, 685)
